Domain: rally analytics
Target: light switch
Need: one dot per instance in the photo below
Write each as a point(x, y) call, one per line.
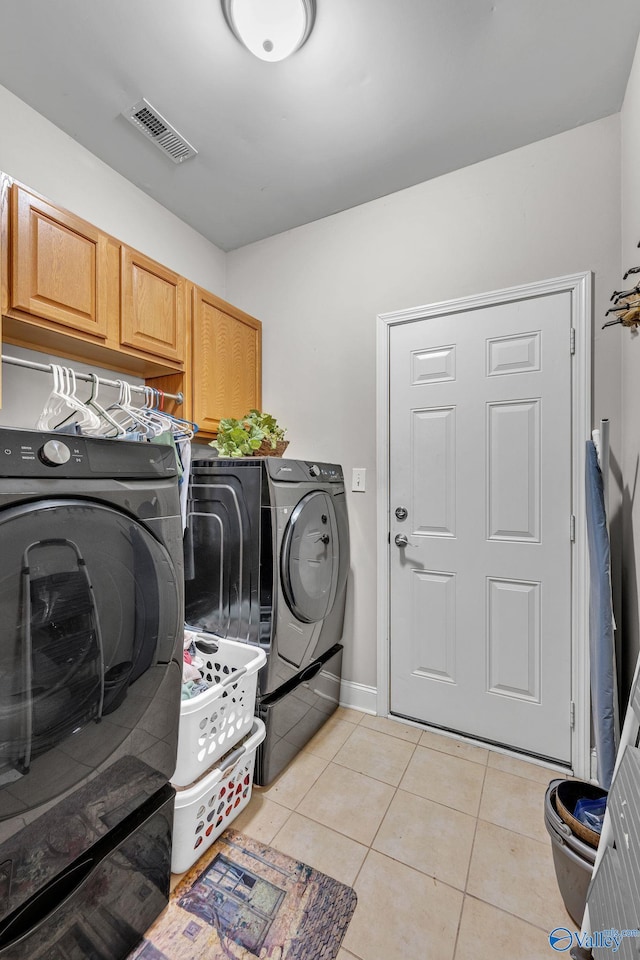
point(358, 478)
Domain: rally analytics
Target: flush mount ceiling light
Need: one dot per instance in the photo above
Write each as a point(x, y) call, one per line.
point(270, 29)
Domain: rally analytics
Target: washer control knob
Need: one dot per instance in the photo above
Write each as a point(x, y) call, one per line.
point(54, 453)
point(314, 470)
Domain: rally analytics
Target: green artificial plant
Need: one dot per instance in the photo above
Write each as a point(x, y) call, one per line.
point(241, 438)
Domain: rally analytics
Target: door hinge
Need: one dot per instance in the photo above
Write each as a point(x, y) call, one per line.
point(572, 714)
point(572, 340)
point(572, 527)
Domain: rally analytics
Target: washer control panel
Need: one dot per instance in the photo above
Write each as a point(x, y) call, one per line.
point(294, 471)
point(331, 472)
point(31, 453)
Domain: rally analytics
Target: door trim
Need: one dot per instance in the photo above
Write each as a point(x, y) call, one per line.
point(579, 285)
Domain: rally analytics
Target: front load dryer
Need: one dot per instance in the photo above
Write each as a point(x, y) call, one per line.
point(91, 628)
point(267, 562)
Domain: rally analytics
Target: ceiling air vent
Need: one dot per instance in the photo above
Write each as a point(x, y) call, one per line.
point(166, 138)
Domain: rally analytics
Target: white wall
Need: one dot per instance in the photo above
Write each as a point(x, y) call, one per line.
point(630, 130)
point(44, 158)
point(546, 210)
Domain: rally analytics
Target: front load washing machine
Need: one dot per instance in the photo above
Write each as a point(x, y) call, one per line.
point(267, 562)
point(91, 628)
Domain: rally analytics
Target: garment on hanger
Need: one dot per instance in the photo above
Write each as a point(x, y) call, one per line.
point(184, 453)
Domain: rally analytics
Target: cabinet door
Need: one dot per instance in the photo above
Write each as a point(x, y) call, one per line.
point(226, 361)
point(59, 267)
point(153, 307)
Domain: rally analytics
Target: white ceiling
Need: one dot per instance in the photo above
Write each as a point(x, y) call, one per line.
point(384, 94)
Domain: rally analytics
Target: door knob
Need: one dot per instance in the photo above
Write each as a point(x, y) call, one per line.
point(401, 540)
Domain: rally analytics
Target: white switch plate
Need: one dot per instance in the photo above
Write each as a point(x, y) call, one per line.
point(358, 479)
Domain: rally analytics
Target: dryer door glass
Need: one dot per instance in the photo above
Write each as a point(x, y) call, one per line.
point(310, 558)
point(89, 617)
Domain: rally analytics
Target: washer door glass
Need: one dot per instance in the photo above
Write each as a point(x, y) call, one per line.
point(89, 616)
point(310, 558)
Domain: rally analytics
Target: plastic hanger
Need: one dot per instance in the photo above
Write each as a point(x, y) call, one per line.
point(113, 428)
point(126, 414)
point(54, 405)
point(182, 429)
point(155, 416)
point(86, 418)
point(63, 404)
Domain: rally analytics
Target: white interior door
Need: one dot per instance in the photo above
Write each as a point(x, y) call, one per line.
point(480, 459)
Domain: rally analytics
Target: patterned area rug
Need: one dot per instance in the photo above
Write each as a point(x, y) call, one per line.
point(244, 900)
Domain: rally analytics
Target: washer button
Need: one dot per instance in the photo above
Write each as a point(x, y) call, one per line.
point(54, 453)
point(314, 470)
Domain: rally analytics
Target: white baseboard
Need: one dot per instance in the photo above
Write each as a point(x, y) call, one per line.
point(358, 696)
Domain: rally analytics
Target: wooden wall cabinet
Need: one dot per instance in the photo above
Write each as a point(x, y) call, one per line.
point(61, 269)
point(223, 373)
point(226, 361)
point(153, 306)
point(68, 288)
point(72, 289)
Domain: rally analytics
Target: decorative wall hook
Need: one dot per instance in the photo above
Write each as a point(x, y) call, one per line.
point(618, 294)
point(626, 305)
point(628, 316)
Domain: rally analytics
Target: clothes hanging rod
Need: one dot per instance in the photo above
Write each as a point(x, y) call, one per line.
point(103, 381)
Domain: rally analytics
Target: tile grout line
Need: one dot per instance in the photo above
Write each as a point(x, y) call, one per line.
point(395, 793)
point(284, 823)
point(466, 882)
point(370, 775)
point(373, 839)
point(507, 913)
point(310, 816)
point(315, 779)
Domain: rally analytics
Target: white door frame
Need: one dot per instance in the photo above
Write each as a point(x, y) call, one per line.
point(579, 285)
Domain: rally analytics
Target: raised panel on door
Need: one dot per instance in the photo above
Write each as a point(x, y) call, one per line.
point(433, 634)
point(153, 307)
point(513, 477)
point(60, 265)
point(226, 362)
point(433, 454)
point(513, 638)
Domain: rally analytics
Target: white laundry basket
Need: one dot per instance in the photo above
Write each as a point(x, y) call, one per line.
point(205, 809)
point(214, 721)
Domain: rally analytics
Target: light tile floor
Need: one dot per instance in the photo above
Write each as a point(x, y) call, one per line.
point(444, 842)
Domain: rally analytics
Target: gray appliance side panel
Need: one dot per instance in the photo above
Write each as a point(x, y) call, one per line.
point(223, 550)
